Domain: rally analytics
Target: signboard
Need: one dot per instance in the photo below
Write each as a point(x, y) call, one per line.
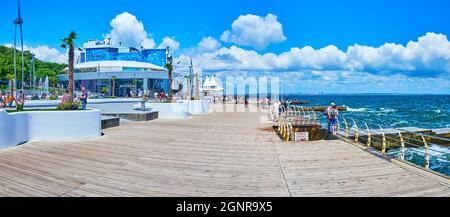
point(301, 136)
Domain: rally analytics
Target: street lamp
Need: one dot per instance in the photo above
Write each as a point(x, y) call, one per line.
point(190, 79)
point(18, 22)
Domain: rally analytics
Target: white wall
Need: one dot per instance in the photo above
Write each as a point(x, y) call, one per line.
point(22, 127)
point(170, 110)
point(198, 107)
point(180, 110)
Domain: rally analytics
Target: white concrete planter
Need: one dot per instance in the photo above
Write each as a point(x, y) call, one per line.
point(198, 107)
point(170, 110)
point(22, 127)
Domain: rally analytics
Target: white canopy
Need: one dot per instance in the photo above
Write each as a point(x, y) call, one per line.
point(211, 85)
point(213, 82)
point(207, 82)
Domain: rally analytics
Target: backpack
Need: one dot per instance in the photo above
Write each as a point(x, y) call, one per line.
point(333, 113)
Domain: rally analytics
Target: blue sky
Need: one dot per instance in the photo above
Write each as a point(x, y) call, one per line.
point(269, 37)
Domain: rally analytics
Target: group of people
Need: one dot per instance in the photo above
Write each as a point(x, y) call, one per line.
point(332, 114)
point(7, 101)
point(160, 96)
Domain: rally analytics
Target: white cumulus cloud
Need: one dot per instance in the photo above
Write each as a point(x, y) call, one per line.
point(428, 56)
point(208, 44)
point(128, 30)
point(255, 31)
point(48, 54)
point(170, 42)
point(45, 53)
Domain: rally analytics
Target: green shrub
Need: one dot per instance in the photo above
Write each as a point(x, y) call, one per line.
point(69, 106)
point(54, 98)
point(19, 108)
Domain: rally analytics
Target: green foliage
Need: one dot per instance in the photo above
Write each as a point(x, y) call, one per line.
point(43, 69)
point(69, 106)
point(105, 90)
point(70, 40)
point(19, 108)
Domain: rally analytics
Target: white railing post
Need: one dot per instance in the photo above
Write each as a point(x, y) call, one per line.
point(346, 128)
point(402, 149)
point(369, 137)
point(383, 149)
point(427, 152)
point(357, 131)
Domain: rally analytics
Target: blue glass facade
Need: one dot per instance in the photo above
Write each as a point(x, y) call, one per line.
point(154, 56)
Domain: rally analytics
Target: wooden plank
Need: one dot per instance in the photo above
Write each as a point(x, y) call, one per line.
point(222, 154)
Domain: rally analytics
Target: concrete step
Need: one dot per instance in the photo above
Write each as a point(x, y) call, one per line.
point(110, 122)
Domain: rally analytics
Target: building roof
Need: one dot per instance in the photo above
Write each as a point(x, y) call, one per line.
point(107, 64)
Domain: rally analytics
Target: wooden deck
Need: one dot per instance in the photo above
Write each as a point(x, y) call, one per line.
point(222, 154)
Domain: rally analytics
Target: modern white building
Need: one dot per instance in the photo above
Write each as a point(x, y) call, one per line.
point(133, 69)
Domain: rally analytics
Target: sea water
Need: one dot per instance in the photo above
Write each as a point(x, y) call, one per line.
point(395, 111)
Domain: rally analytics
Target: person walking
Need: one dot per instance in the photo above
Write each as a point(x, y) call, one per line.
point(333, 115)
point(84, 97)
point(20, 101)
point(327, 116)
point(9, 100)
point(155, 96)
point(2, 100)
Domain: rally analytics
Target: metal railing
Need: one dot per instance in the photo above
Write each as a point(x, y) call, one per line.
point(398, 139)
point(288, 117)
point(371, 135)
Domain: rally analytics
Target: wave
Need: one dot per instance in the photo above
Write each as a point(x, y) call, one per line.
point(438, 156)
point(398, 123)
point(440, 151)
point(356, 109)
point(385, 110)
point(438, 111)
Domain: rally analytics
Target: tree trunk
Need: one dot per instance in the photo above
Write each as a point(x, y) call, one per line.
point(170, 86)
point(113, 88)
point(71, 69)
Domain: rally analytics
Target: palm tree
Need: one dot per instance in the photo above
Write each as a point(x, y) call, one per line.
point(169, 67)
point(69, 42)
point(113, 79)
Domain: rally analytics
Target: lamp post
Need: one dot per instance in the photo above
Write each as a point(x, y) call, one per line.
point(18, 22)
point(191, 78)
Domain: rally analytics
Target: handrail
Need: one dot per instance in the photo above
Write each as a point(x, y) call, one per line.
point(411, 132)
point(418, 146)
point(410, 138)
point(412, 144)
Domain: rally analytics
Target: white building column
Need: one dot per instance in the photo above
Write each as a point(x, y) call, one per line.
point(145, 84)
